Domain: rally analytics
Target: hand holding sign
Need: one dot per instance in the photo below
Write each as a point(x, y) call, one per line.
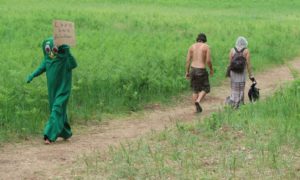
point(63, 33)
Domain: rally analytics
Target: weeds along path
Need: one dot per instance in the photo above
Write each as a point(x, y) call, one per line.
point(34, 160)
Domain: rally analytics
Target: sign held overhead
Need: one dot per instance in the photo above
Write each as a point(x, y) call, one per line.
point(63, 33)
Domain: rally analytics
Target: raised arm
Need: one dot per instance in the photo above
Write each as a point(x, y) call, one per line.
point(65, 51)
point(40, 70)
point(71, 61)
point(188, 62)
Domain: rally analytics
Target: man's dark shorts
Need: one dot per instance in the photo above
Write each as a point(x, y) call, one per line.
point(199, 80)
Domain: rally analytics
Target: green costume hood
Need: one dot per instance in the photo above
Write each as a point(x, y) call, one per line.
point(60, 52)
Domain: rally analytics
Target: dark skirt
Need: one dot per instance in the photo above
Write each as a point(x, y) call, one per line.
point(199, 80)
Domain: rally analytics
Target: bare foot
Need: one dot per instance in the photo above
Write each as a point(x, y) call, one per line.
point(47, 142)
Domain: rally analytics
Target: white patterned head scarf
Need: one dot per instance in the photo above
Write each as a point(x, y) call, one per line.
point(241, 43)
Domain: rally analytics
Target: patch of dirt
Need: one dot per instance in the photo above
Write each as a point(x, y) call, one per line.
point(34, 160)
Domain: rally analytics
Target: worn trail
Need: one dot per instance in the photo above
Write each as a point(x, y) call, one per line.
point(34, 160)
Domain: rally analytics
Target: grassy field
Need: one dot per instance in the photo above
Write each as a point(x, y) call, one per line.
point(129, 52)
point(260, 141)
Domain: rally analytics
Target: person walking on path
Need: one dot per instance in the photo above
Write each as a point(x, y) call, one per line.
point(198, 57)
point(239, 60)
point(58, 64)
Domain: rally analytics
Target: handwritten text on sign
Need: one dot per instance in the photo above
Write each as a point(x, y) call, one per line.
point(63, 33)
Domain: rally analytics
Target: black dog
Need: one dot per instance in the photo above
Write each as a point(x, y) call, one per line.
point(253, 92)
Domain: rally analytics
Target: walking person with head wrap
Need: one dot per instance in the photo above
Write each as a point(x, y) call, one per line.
point(239, 59)
point(198, 57)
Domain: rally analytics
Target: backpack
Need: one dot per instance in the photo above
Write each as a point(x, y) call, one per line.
point(238, 62)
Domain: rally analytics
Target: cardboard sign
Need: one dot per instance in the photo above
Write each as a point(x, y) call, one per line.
point(63, 33)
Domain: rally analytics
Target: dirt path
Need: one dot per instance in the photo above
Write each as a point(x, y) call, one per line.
point(33, 160)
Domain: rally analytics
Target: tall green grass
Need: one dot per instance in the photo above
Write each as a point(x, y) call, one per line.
point(260, 140)
point(129, 52)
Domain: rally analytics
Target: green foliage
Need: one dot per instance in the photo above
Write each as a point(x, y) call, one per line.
point(129, 52)
point(279, 115)
point(259, 140)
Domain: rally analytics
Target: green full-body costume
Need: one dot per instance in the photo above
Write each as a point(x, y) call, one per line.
point(58, 64)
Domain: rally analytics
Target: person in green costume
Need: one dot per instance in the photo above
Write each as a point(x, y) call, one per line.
point(58, 64)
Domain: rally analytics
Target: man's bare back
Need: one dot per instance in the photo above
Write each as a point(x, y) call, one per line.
point(199, 55)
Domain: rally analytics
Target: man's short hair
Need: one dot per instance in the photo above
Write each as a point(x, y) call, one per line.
point(201, 38)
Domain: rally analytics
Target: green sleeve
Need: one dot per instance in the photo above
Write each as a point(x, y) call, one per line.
point(40, 70)
point(72, 62)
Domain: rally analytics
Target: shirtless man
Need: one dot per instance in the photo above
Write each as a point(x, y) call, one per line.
point(198, 57)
